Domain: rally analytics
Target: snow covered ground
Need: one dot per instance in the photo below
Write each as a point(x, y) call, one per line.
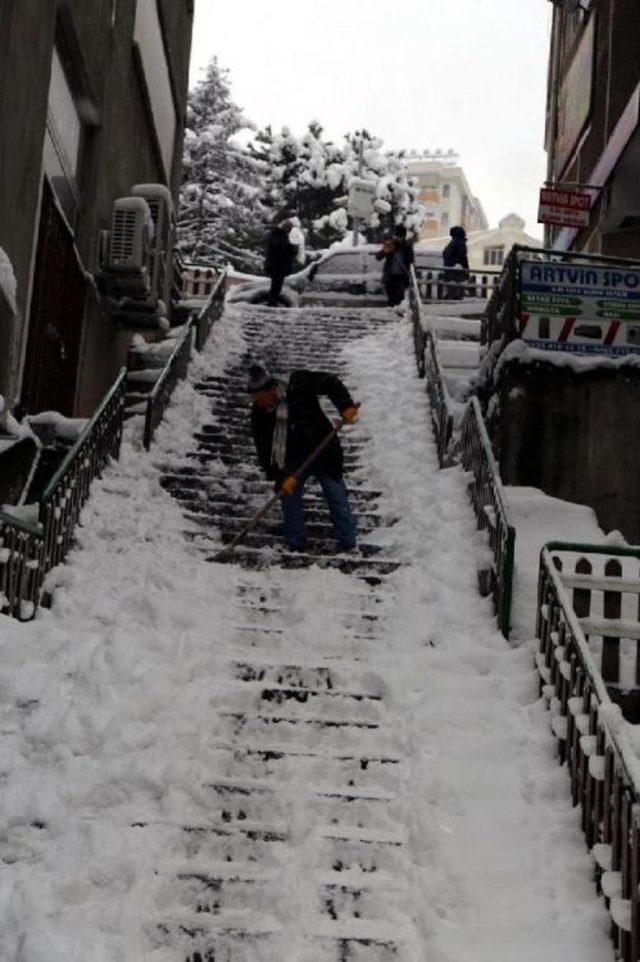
point(118, 739)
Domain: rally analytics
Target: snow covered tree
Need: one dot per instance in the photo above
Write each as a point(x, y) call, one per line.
point(396, 197)
point(310, 177)
point(220, 218)
point(305, 178)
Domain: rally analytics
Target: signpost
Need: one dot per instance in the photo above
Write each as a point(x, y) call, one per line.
point(582, 308)
point(362, 194)
point(566, 208)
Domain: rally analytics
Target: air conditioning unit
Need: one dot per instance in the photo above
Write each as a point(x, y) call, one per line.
point(130, 237)
point(159, 201)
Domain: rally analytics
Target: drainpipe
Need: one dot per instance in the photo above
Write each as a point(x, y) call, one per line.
point(554, 91)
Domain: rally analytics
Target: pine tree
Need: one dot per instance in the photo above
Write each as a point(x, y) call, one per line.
point(309, 177)
point(220, 219)
point(304, 178)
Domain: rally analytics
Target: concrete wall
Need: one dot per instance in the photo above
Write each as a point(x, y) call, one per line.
point(121, 153)
point(120, 147)
point(575, 436)
point(25, 26)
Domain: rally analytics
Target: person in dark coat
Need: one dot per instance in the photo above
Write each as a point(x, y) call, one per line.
point(280, 255)
point(397, 252)
point(287, 424)
point(455, 256)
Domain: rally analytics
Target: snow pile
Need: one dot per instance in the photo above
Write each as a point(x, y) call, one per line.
point(539, 519)
point(8, 284)
point(69, 429)
point(522, 353)
point(500, 869)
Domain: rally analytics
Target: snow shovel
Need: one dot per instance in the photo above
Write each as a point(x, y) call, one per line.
point(259, 515)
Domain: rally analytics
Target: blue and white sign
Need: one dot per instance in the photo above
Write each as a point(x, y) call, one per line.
point(584, 308)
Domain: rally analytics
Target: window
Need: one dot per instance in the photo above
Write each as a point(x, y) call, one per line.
point(149, 39)
point(446, 190)
point(63, 140)
point(493, 256)
point(445, 219)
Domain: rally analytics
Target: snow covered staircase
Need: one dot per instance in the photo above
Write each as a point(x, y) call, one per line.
point(456, 325)
point(222, 486)
point(304, 854)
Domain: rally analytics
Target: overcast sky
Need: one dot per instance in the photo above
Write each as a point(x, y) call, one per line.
point(465, 74)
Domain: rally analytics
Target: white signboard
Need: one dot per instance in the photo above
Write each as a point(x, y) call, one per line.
point(583, 308)
point(362, 195)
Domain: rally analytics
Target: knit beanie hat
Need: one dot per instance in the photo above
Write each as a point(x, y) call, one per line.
point(259, 379)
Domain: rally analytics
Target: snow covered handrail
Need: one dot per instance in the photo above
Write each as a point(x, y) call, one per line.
point(499, 320)
point(428, 362)
point(418, 322)
point(21, 567)
point(211, 312)
point(28, 552)
point(174, 370)
point(68, 490)
point(487, 497)
point(593, 737)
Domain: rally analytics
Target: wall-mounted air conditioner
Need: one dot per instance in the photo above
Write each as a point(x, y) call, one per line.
point(131, 229)
point(158, 199)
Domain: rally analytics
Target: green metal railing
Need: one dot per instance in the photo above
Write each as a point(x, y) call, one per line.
point(428, 363)
point(485, 490)
point(28, 552)
point(490, 507)
point(21, 567)
point(174, 370)
point(210, 313)
point(593, 738)
point(196, 331)
point(68, 490)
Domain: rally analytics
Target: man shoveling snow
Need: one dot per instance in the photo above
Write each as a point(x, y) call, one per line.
point(287, 424)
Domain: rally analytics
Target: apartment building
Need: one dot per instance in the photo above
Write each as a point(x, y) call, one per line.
point(593, 114)
point(445, 191)
point(92, 102)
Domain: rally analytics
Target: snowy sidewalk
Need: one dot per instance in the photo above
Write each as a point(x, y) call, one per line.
point(276, 764)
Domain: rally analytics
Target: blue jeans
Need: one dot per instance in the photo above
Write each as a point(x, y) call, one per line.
point(337, 499)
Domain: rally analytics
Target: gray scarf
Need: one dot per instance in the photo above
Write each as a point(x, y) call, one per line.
point(279, 442)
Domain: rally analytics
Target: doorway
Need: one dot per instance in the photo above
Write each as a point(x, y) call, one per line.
point(55, 321)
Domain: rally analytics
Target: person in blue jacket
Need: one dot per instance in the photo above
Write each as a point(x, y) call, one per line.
point(455, 256)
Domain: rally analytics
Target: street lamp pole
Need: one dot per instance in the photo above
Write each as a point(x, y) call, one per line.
point(354, 239)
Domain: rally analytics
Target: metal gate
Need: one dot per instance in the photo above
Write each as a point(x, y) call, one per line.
point(57, 310)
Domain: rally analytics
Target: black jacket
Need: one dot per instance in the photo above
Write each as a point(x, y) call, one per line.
point(405, 250)
point(280, 253)
point(308, 425)
point(456, 252)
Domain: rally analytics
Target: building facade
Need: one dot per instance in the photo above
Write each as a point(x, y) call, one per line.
point(593, 114)
point(92, 102)
point(489, 248)
point(445, 191)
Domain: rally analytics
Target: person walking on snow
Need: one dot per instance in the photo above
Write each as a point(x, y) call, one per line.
point(280, 255)
point(287, 424)
point(455, 253)
point(397, 252)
